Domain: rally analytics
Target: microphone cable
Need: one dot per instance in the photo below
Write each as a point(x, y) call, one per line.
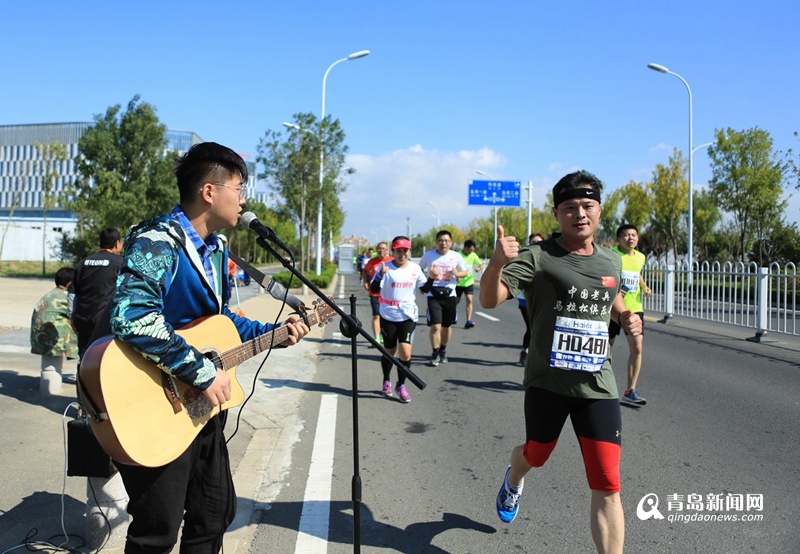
point(275, 324)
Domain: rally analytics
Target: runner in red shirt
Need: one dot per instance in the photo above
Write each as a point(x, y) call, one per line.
point(374, 297)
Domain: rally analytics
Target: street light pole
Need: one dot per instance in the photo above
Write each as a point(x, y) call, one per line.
point(699, 146)
point(530, 204)
point(690, 248)
point(304, 250)
point(479, 172)
point(353, 56)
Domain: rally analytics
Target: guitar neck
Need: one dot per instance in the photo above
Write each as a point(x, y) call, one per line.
point(253, 347)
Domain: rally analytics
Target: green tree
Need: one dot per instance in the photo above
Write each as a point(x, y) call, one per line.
point(16, 199)
point(794, 163)
point(782, 245)
point(638, 204)
point(126, 174)
point(610, 219)
point(481, 230)
point(514, 222)
point(670, 200)
point(48, 160)
point(242, 242)
point(747, 179)
point(706, 218)
point(722, 244)
point(542, 219)
point(291, 166)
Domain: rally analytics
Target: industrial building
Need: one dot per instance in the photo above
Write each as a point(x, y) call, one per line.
point(23, 235)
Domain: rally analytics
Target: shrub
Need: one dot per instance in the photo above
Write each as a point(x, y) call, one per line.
point(322, 281)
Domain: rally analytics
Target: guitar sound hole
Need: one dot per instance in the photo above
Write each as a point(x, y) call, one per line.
point(214, 357)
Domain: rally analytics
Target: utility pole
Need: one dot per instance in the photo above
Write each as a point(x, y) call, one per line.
point(530, 203)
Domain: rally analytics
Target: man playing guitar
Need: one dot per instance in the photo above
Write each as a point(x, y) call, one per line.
point(174, 272)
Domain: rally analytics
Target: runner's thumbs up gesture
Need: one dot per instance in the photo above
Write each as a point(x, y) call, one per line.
point(505, 249)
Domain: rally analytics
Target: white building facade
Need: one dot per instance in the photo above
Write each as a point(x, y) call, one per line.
point(23, 233)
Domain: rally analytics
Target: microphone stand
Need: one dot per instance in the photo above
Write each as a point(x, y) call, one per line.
point(350, 327)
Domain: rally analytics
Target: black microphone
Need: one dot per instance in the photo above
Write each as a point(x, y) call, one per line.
point(250, 221)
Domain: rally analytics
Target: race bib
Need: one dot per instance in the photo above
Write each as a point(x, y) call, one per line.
point(579, 345)
point(630, 281)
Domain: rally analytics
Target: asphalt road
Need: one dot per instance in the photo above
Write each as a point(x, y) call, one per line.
point(720, 426)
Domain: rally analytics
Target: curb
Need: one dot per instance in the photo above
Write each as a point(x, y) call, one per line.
point(272, 414)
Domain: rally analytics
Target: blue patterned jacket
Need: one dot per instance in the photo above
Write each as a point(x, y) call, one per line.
point(163, 286)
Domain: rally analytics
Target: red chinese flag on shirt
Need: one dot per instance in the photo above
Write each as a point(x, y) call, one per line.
point(610, 282)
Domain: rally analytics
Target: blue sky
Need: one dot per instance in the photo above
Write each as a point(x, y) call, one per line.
point(520, 90)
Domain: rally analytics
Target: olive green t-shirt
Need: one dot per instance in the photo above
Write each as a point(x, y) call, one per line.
point(569, 301)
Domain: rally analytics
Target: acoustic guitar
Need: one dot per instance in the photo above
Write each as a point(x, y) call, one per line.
point(142, 416)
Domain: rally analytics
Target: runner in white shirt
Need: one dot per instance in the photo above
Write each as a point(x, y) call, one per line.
point(397, 281)
point(445, 267)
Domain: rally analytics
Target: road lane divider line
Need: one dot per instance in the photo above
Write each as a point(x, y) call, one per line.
point(487, 316)
point(312, 536)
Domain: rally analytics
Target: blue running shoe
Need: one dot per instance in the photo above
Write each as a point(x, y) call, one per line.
point(507, 502)
point(632, 396)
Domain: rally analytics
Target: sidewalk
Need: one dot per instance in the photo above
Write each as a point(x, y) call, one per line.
point(774, 343)
point(33, 453)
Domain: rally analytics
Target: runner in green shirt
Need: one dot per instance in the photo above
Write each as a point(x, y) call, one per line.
point(634, 288)
point(466, 285)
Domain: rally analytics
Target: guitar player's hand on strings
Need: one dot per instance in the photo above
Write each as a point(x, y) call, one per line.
point(297, 330)
point(220, 388)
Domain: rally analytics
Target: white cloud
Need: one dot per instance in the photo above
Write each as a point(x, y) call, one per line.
point(389, 188)
point(661, 147)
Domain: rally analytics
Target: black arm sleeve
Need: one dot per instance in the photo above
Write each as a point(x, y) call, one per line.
point(427, 286)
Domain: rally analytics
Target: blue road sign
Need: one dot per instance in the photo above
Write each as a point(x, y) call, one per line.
point(503, 194)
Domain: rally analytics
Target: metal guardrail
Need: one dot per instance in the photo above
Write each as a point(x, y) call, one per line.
point(761, 298)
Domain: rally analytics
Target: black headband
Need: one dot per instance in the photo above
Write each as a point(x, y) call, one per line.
point(576, 193)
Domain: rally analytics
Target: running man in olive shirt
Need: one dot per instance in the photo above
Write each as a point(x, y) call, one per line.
point(572, 288)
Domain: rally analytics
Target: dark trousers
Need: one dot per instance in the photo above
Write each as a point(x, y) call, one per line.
point(196, 489)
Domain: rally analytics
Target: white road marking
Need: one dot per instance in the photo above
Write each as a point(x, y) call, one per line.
point(341, 286)
point(312, 537)
point(487, 316)
point(14, 349)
